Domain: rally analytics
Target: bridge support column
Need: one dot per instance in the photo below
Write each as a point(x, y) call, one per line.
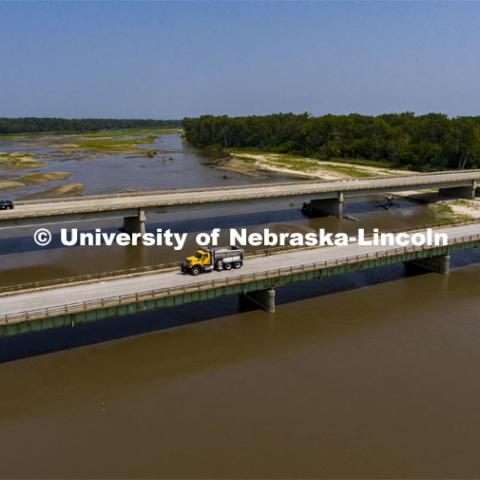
point(329, 206)
point(459, 192)
point(439, 264)
point(265, 299)
point(135, 224)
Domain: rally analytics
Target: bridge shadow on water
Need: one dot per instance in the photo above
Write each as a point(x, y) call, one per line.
point(37, 343)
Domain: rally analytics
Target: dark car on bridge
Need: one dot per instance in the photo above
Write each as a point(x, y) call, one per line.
point(6, 205)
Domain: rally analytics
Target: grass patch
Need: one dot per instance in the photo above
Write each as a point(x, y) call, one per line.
point(300, 164)
point(295, 156)
point(112, 144)
point(68, 189)
point(19, 160)
point(297, 164)
point(243, 158)
point(347, 170)
point(463, 201)
point(366, 163)
point(44, 177)
point(10, 184)
point(445, 215)
point(304, 164)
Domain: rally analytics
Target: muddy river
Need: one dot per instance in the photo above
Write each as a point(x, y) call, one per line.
point(365, 375)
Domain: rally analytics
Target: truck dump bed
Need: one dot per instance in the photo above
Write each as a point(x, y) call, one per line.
point(232, 253)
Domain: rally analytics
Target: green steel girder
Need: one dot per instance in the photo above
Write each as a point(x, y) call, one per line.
point(154, 304)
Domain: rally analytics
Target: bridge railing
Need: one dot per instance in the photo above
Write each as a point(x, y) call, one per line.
point(128, 299)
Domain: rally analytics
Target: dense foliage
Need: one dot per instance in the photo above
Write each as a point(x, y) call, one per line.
point(426, 142)
point(62, 125)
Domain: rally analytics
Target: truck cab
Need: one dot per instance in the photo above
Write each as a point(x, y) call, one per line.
point(207, 259)
point(200, 261)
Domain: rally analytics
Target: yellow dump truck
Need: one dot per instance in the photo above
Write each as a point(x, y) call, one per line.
point(207, 259)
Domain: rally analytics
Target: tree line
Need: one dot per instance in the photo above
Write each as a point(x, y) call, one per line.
point(425, 142)
point(63, 125)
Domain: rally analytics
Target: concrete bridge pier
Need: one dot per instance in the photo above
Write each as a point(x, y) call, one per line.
point(330, 206)
point(459, 192)
point(135, 224)
point(439, 264)
point(265, 299)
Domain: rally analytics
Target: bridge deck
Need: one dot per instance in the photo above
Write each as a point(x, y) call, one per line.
point(323, 189)
point(107, 288)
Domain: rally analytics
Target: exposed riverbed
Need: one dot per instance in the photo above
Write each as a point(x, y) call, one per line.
point(95, 167)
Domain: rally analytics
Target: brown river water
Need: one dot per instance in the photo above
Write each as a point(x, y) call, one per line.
point(363, 375)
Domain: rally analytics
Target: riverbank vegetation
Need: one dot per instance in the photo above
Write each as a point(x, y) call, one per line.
point(404, 141)
point(307, 167)
point(455, 210)
point(63, 125)
point(129, 132)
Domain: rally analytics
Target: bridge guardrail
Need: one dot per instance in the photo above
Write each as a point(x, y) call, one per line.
point(117, 300)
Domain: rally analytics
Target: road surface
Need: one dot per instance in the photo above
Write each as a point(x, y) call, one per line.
point(56, 297)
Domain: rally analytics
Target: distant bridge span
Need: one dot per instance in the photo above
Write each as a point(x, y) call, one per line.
point(133, 207)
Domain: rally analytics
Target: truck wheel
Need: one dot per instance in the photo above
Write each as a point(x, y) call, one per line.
point(195, 271)
point(227, 266)
point(237, 264)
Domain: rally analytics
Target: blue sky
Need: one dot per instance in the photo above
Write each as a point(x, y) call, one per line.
point(169, 60)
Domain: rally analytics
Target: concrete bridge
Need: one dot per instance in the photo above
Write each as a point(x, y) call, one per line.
point(133, 208)
point(58, 306)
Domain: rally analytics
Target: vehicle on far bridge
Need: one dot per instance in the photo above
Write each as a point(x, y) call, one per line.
point(207, 259)
point(6, 205)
